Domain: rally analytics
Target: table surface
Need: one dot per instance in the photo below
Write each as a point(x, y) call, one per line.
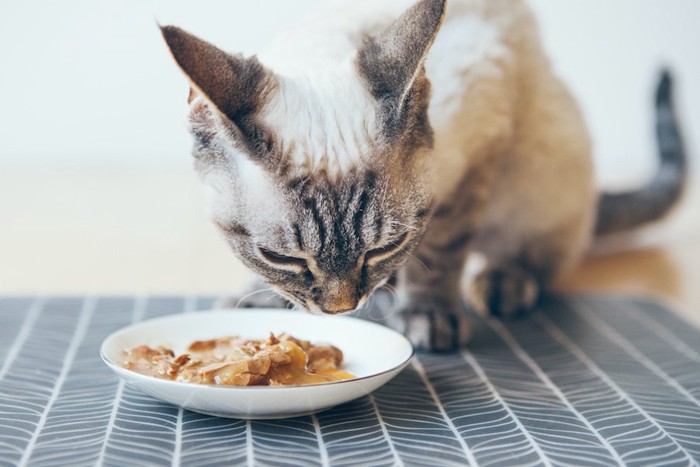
point(586, 380)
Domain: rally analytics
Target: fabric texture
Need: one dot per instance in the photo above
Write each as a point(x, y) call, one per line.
point(586, 380)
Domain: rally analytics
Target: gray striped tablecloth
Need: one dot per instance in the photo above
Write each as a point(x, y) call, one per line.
point(584, 381)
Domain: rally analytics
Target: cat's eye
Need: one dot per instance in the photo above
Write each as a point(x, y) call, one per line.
point(281, 261)
point(377, 255)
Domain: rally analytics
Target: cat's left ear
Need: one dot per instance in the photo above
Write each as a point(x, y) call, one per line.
point(235, 85)
point(391, 62)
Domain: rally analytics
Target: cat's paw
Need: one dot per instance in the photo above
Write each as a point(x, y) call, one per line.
point(266, 299)
point(430, 325)
point(504, 291)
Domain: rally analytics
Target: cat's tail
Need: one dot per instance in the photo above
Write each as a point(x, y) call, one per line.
point(618, 212)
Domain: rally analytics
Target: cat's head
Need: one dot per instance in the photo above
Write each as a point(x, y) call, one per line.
point(319, 180)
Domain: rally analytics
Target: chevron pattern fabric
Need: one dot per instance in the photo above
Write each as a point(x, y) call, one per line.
point(586, 380)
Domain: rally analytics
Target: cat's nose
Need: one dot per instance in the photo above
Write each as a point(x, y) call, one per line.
point(340, 296)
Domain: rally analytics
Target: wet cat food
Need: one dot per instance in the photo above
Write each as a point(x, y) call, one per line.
point(232, 361)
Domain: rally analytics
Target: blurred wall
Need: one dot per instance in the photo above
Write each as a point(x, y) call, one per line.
point(89, 83)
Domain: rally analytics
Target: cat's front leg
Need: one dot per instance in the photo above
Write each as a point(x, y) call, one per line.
point(256, 295)
point(431, 311)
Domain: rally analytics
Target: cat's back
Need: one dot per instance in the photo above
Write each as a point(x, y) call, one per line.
point(331, 34)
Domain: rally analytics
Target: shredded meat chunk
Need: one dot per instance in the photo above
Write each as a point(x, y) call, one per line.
point(232, 361)
point(324, 357)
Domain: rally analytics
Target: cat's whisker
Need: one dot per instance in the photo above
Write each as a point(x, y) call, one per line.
point(409, 227)
point(292, 299)
point(427, 269)
point(392, 291)
point(254, 292)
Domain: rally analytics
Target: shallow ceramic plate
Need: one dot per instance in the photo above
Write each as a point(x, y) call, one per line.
point(372, 352)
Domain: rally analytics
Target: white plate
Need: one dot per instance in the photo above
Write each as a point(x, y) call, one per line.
point(373, 353)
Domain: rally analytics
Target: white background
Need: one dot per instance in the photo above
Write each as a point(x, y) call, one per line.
point(97, 193)
point(89, 83)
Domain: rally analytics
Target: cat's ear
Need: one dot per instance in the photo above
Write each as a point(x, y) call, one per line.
point(391, 62)
point(233, 84)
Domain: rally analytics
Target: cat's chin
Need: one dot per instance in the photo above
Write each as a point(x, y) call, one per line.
point(314, 311)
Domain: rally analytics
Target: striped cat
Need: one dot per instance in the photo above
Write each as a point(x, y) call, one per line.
point(383, 142)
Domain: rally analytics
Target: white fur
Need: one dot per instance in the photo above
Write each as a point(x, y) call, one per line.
point(254, 191)
point(324, 119)
point(257, 188)
point(218, 191)
point(477, 43)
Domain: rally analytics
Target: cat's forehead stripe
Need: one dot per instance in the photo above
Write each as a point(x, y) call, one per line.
point(311, 205)
point(298, 238)
point(343, 217)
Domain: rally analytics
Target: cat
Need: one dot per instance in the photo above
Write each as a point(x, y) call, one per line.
point(381, 143)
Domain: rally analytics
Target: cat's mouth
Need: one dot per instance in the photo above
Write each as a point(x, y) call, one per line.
point(317, 310)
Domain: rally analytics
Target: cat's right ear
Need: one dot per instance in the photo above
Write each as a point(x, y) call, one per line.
point(391, 62)
point(235, 85)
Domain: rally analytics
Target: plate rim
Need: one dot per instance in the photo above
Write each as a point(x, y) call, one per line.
point(119, 370)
